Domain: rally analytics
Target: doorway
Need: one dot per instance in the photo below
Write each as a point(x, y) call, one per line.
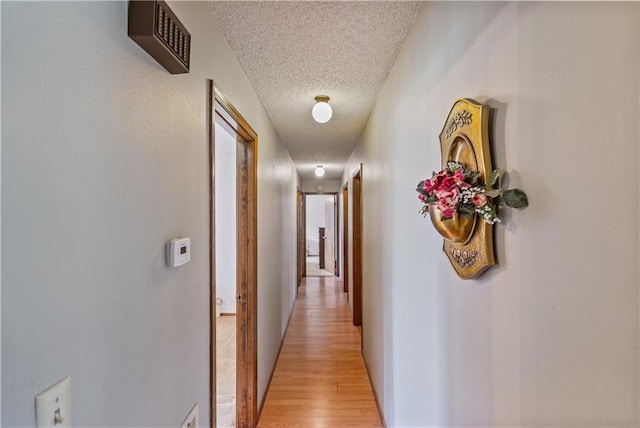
point(233, 205)
point(357, 247)
point(320, 234)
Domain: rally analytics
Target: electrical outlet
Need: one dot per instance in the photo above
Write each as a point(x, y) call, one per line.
point(53, 405)
point(192, 420)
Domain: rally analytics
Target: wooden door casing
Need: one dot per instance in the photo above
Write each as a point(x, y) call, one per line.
point(222, 111)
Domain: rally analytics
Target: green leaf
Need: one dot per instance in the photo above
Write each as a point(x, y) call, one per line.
point(467, 210)
point(420, 187)
point(495, 178)
point(515, 198)
point(431, 199)
point(494, 193)
point(472, 177)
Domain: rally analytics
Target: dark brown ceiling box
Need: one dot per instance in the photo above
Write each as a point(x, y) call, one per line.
point(154, 27)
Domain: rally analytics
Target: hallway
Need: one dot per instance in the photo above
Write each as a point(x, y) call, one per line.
point(108, 158)
point(320, 379)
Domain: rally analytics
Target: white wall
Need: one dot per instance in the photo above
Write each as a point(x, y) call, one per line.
point(104, 159)
point(226, 228)
point(549, 337)
point(1, 234)
point(330, 185)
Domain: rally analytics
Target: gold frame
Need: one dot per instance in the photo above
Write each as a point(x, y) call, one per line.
point(465, 139)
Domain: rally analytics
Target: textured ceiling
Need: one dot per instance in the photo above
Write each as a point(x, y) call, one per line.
point(293, 51)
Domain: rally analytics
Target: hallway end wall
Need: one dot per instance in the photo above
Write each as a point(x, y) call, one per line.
point(549, 337)
point(104, 159)
point(329, 185)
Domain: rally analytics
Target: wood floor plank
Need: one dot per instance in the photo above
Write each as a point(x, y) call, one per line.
point(320, 379)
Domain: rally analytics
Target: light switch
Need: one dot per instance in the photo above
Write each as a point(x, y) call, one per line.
point(53, 405)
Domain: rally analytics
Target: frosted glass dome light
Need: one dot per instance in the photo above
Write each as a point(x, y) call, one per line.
point(321, 111)
point(319, 171)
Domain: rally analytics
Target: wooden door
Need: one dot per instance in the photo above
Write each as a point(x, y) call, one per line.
point(321, 244)
point(345, 238)
point(301, 255)
point(246, 304)
point(357, 247)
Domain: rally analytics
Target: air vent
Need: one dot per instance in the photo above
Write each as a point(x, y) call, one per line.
point(154, 27)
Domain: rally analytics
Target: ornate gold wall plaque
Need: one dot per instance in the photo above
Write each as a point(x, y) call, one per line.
point(463, 198)
point(465, 139)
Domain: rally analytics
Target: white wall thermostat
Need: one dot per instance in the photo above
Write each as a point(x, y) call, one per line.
point(178, 251)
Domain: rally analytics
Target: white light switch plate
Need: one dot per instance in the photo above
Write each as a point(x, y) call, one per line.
point(53, 405)
point(192, 420)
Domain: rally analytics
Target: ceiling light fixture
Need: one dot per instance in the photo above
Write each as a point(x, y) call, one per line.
point(321, 111)
point(319, 171)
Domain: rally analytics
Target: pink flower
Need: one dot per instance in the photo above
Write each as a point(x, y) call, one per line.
point(459, 176)
point(435, 182)
point(422, 198)
point(443, 181)
point(448, 213)
point(448, 184)
point(479, 199)
point(448, 201)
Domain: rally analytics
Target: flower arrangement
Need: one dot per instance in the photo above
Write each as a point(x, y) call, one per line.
point(456, 189)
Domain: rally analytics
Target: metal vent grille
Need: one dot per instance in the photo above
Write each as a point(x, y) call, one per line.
point(172, 34)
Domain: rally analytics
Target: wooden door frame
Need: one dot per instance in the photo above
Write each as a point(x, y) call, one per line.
point(301, 254)
point(247, 259)
point(357, 246)
point(336, 250)
point(345, 237)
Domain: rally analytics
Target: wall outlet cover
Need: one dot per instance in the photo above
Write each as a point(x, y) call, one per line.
point(192, 420)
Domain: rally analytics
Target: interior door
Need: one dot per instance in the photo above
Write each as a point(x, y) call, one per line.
point(321, 243)
point(357, 247)
point(301, 256)
point(345, 238)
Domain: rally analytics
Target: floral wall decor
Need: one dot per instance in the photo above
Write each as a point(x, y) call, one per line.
point(463, 199)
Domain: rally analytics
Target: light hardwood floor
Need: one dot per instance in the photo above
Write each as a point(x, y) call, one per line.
point(320, 378)
point(313, 267)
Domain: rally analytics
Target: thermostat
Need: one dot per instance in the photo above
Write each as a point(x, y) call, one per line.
point(178, 251)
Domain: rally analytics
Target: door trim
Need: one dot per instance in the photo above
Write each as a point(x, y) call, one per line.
point(247, 255)
point(336, 249)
